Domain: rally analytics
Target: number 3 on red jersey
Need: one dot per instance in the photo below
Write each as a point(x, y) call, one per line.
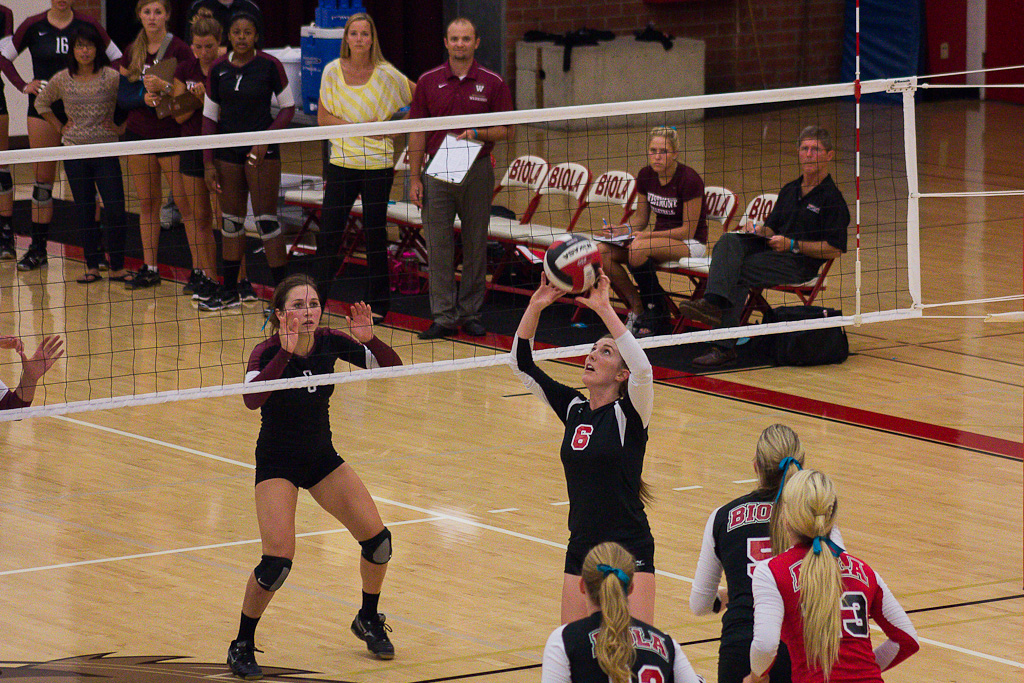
point(581, 437)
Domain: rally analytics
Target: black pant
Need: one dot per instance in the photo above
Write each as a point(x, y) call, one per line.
point(86, 177)
point(741, 261)
point(734, 661)
point(342, 187)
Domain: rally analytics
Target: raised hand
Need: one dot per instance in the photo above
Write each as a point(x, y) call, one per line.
point(546, 294)
point(288, 330)
point(46, 354)
point(598, 298)
point(360, 322)
point(7, 342)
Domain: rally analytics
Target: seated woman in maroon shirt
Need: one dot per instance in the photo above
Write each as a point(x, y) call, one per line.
point(674, 193)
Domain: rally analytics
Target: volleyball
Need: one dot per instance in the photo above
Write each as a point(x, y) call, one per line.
point(571, 263)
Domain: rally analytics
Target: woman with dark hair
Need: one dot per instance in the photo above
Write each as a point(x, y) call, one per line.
point(47, 38)
point(360, 87)
point(238, 100)
point(294, 451)
point(609, 646)
point(603, 445)
point(88, 90)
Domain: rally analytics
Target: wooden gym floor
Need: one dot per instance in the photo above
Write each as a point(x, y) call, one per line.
point(132, 531)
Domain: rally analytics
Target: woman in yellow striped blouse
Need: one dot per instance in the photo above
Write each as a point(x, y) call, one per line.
point(360, 87)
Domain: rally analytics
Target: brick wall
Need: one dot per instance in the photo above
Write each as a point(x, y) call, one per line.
point(800, 40)
point(90, 7)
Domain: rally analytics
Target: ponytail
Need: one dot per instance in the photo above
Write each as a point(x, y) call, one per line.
point(811, 507)
point(777, 531)
point(607, 575)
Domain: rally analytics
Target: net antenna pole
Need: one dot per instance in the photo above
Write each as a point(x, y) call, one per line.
point(909, 87)
point(856, 106)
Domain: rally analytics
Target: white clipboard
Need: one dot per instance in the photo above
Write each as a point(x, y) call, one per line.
point(453, 159)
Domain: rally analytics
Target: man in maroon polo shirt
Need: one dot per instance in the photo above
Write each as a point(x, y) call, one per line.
point(457, 87)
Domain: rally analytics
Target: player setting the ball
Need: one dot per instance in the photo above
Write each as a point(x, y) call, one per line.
point(603, 445)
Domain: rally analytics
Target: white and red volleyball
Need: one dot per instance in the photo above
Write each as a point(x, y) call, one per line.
point(571, 263)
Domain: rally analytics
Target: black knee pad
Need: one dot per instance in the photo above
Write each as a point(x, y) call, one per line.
point(42, 194)
point(268, 226)
point(377, 550)
point(6, 181)
point(232, 227)
point(272, 571)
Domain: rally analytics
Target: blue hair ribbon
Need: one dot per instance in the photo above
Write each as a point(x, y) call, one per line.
point(832, 546)
point(621, 575)
point(784, 468)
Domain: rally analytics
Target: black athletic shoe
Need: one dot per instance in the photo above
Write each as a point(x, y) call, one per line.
point(145, 277)
point(375, 632)
point(204, 290)
point(34, 258)
point(246, 292)
point(194, 278)
point(221, 300)
point(7, 252)
point(242, 660)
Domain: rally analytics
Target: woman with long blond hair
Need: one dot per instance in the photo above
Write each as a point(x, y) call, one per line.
point(603, 444)
point(609, 645)
point(360, 87)
point(737, 536)
point(153, 44)
point(816, 598)
point(670, 223)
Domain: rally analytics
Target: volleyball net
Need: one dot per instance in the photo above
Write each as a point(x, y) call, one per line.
point(567, 169)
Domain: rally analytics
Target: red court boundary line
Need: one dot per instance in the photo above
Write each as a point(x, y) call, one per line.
point(714, 386)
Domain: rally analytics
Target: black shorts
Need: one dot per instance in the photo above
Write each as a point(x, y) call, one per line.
point(305, 472)
point(237, 155)
point(129, 136)
point(734, 660)
point(191, 163)
point(57, 107)
point(642, 549)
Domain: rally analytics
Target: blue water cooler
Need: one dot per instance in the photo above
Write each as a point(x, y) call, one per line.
point(321, 44)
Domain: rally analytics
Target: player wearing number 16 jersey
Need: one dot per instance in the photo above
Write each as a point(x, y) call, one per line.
point(817, 599)
point(603, 446)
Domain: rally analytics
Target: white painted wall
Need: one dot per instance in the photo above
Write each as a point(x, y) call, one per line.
point(16, 101)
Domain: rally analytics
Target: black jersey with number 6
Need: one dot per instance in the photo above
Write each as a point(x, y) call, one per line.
point(602, 450)
point(242, 94)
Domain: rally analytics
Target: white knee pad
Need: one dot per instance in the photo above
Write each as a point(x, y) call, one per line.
point(268, 226)
point(232, 227)
point(42, 194)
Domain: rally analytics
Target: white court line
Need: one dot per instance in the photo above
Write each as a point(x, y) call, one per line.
point(434, 516)
point(561, 502)
point(197, 548)
point(687, 488)
point(503, 510)
point(964, 651)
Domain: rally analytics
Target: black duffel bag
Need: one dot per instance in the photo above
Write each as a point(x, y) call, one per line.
point(823, 346)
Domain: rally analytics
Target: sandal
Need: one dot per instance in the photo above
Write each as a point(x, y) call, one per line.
point(89, 278)
point(123, 277)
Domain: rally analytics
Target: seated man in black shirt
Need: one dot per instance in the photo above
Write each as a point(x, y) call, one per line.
point(806, 228)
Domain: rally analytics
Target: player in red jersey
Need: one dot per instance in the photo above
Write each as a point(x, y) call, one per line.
point(6, 179)
point(817, 598)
